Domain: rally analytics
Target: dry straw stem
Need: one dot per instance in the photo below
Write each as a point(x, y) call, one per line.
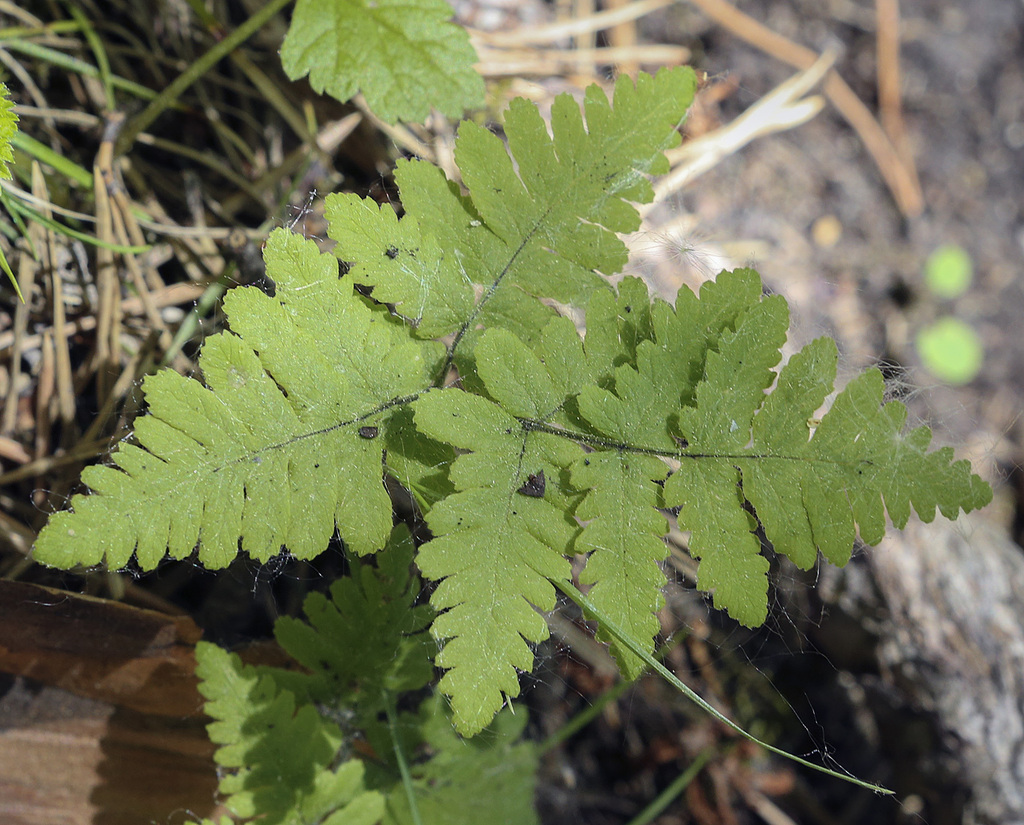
point(65, 391)
point(783, 108)
point(890, 104)
point(551, 32)
point(899, 177)
point(517, 52)
point(545, 62)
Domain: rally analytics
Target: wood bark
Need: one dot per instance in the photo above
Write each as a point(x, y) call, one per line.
point(945, 604)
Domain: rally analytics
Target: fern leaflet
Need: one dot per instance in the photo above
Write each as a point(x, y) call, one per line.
point(279, 755)
point(301, 746)
point(275, 450)
point(540, 218)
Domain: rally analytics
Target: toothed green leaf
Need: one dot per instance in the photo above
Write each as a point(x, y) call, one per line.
point(278, 757)
point(494, 549)
point(540, 218)
point(808, 483)
point(403, 55)
point(274, 451)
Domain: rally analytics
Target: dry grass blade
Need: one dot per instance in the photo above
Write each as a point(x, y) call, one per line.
point(900, 180)
point(515, 53)
point(547, 62)
point(785, 107)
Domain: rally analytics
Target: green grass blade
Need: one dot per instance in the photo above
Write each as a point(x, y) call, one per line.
point(640, 650)
point(44, 154)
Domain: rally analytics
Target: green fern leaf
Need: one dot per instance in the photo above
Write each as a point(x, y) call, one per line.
point(550, 445)
point(403, 54)
point(652, 357)
point(406, 267)
point(8, 126)
point(808, 489)
point(540, 217)
point(505, 532)
point(623, 537)
point(280, 758)
point(489, 780)
point(365, 642)
point(496, 545)
point(276, 450)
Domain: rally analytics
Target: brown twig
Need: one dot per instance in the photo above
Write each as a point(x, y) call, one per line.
point(902, 183)
point(890, 104)
point(532, 35)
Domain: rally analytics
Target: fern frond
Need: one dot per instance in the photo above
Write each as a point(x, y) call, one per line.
point(623, 537)
point(548, 445)
point(280, 756)
point(366, 641)
point(809, 484)
point(652, 357)
point(403, 55)
point(290, 739)
point(540, 217)
point(497, 542)
point(276, 449)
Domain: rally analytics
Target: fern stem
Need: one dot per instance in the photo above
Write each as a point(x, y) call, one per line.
point(679, 784)
point(535, 426)
point(403, 766)
point(470, 322)
point(612, 627)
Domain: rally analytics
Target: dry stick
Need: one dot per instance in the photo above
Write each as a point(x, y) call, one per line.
point(903, 185)
point(566, 28)
point(398, 133)
point(82, 451)
point(169, 296)
point(782, 108)
point(44, 394)
point(26, 281)
point(126, 231)
point(139, 279)
point(889, 97)
point(108, 314)
point(585, 41)
point(62, 356)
